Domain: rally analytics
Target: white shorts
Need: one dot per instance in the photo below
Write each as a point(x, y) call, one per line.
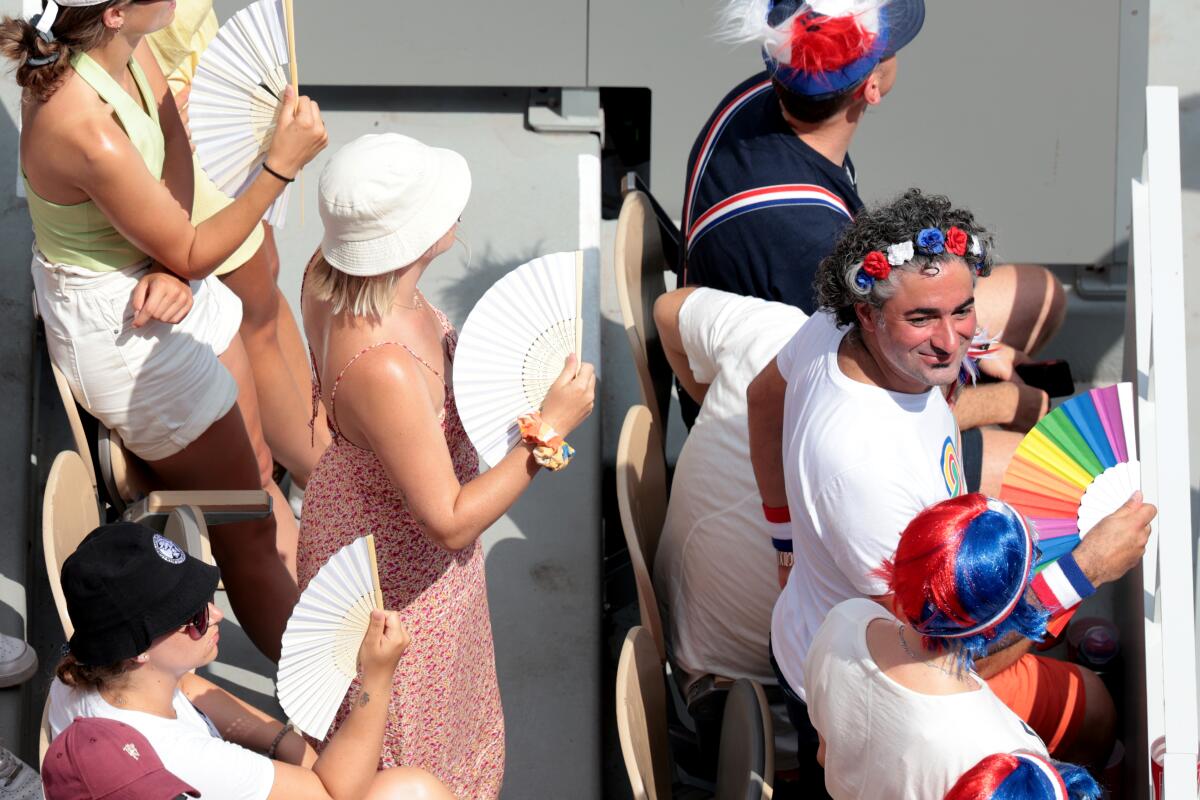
point(159, 386)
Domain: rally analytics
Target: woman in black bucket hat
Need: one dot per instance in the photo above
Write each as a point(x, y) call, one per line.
point(144, 619)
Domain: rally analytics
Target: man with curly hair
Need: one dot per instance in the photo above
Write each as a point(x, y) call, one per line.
point(771, 185)
point(851, 436)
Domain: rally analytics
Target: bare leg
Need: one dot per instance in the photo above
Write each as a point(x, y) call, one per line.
point(1094, 742)
point(261, 589)
point(407, 783)
point(286, 533)
point(1025, 302)
point(1016, 406)
point(277, 358)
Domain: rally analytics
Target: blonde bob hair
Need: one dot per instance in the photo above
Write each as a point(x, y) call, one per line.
point(362, 296)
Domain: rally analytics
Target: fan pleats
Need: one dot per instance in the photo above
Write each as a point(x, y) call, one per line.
point(1077, 466)
point(235, 98)
point(320, 645)
point(512, 348)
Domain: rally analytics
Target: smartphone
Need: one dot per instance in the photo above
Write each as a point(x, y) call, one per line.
point(1052, 377)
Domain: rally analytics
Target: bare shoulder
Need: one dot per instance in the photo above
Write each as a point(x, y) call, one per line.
point(78, 128)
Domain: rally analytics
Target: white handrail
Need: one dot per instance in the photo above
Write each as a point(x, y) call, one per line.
point(1171, 490)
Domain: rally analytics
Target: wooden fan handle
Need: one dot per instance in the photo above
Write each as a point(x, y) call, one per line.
point(375, 572)
point(289, 15)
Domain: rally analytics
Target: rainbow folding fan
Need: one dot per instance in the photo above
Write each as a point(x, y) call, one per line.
point(1078, 465)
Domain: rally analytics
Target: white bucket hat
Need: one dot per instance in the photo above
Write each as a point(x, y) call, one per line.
point(386, 199)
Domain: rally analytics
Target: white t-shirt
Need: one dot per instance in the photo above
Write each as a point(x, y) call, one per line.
point(189, 746)
point(859, 463)
point(884, 741)
point(714, 569)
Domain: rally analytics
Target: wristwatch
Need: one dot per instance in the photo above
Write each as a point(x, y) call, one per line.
point(786, 558)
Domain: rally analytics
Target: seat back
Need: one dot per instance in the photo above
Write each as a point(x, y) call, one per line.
point(45, 735)
point(125, 476)
point(74, 421)
point(69, 513)
point(746, 765)
point(642, 503)
point(642, 717)
point(641, 277)
point(187, 528)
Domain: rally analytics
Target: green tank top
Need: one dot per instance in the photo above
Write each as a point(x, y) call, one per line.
point(80, 234)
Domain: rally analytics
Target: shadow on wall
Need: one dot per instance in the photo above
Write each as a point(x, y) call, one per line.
point(1189, 141)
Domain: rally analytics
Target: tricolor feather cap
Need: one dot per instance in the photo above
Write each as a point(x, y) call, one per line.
point(814, 37)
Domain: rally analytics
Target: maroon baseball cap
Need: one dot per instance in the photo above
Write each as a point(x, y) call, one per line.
point(102, 759)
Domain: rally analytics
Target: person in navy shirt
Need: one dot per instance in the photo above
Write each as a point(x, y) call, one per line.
point(771, 186)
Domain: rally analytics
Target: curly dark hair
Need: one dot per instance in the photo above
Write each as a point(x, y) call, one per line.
point(880, 227)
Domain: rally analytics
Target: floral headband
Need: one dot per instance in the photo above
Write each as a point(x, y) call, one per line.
point(877, 265)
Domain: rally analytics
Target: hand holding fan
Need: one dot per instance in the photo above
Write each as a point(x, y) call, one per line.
point(1077, 466)
point(234, 101)
point(512, 348)
point(321, 642)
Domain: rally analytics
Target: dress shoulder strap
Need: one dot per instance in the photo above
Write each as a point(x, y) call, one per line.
point(338, 380)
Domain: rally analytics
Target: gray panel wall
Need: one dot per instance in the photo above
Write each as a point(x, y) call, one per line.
point(464, 43)
point(1010, 108)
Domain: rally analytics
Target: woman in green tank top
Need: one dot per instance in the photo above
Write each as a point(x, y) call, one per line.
point(145, 335)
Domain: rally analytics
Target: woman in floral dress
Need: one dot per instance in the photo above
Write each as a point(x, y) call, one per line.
point(401, 466)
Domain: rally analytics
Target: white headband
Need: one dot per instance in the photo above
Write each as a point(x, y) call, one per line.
point(1050, 773)
point(48, 16)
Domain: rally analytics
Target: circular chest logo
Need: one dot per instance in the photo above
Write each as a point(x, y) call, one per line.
point(167, 550)
point(951, 471)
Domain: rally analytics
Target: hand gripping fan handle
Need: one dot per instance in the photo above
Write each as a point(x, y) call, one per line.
point(289, 15)
point(375, 572)
point(578, 310)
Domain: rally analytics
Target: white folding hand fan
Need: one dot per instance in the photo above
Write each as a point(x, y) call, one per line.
point(235, 95)
point(512, 348)
point(320, 645)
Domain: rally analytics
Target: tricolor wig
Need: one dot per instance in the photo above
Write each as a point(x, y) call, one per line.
point(1024, 776)
point(960, 575)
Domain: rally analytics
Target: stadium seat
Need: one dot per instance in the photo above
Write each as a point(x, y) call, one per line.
point(746, 765)
point(640, 269)
point(642, 717)
point(642, 503)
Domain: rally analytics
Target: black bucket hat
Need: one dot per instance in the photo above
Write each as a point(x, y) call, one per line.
point(125, 586)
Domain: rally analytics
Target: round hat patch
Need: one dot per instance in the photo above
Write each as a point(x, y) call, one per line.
point(167, 550)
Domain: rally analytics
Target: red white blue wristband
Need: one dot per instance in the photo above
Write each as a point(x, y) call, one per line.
point(779, 520)
point(1062, 586)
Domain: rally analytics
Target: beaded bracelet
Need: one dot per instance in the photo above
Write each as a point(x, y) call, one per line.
point(550, 450)
point(271, 751)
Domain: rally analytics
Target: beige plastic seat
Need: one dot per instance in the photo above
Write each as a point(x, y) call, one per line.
point(74, 421)
point(642, 503)
point(642, 717)
point(69, 513)
point(127, 481)
point(130, 489)
point(44, 735)
point(746, 765)
point(641, 277)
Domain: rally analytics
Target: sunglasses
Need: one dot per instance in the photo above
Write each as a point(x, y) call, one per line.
point(197, 624)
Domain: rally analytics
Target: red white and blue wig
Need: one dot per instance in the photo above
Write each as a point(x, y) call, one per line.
point(822, 48)
point(1024, 776)
point(960, 575)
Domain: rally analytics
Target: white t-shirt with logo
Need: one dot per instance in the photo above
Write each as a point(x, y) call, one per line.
point(715, 565)
point(884, 741)
point(859, 463)
point(189, 746)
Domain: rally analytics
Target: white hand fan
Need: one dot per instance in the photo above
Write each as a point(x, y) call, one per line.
point(320, 645)
point(512, 348)
point(235, 97)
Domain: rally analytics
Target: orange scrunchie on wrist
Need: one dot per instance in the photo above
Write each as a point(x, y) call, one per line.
point(550, 450)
